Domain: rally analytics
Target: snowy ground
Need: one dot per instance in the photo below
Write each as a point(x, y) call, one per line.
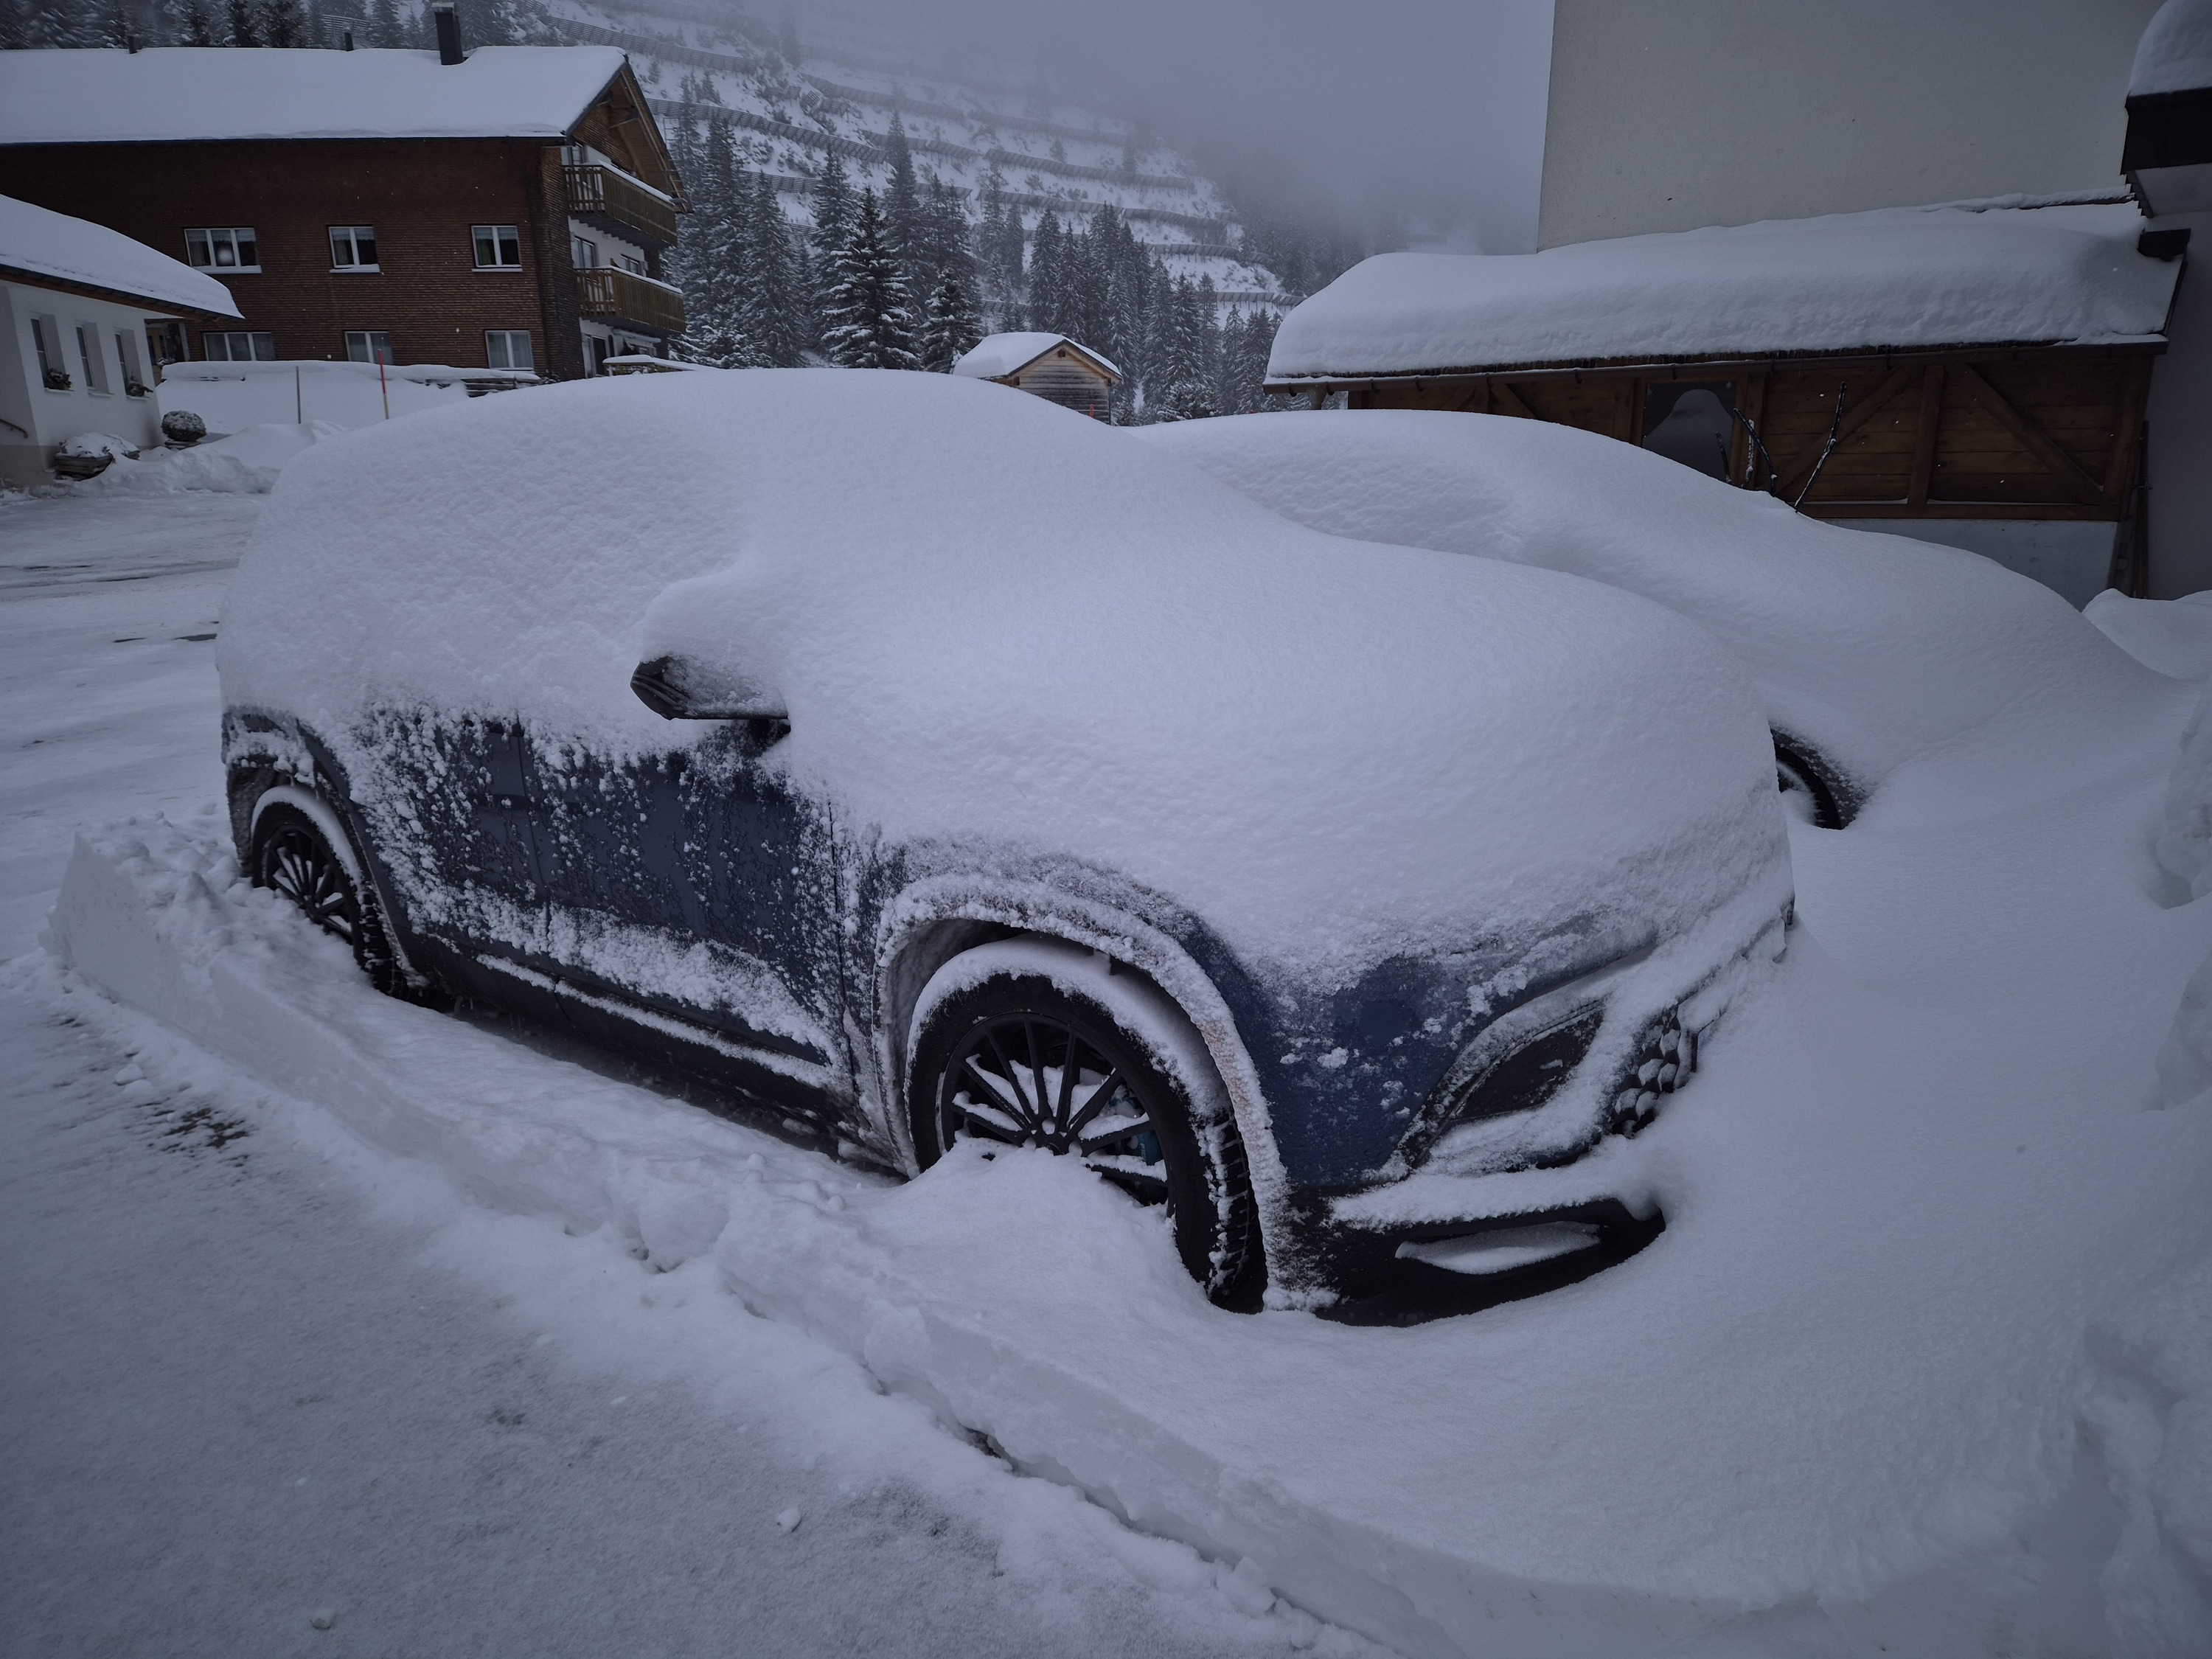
point(1923, 1364)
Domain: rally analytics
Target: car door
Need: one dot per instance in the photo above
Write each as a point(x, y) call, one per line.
point(691, 885)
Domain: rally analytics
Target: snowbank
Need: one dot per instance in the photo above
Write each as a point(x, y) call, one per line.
point(42, 243)
point(2175, 52)
point(1777, 1429)
point(1875, 648)
point(1896, 278)
point(244, 463)
point(231, 397)
point(980, 611)
point(2173, 636)
point(183, 93)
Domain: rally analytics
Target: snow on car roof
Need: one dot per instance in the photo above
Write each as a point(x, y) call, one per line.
point(998, 355)
point(1961, 274)
point(1873, 647)
point(182, 93)
point(39, 242)
point(2175, 52)
point(996, 621)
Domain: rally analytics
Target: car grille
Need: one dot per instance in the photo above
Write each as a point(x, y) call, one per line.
point(1666, 1056)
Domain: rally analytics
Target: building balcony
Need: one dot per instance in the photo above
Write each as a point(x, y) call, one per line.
point(616, 203)
point(634, 302)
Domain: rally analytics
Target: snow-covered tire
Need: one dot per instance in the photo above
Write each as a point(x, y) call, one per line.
point(1155, 1123)
point(291, 855)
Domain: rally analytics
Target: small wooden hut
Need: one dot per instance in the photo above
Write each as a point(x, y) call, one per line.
point(1922, 365)
point(1048, 365)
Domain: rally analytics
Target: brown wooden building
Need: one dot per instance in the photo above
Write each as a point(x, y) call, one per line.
point(1048, 365)
point(508, 207)
point(1992, 366)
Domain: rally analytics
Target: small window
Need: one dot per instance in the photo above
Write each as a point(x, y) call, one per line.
point(498, 247)
point(234, 248)
point(585, 251)
point(509, 348)
point(126, 353)
point(239, 348)
point(353, 248)
point(635, 267)
point(46, 336)
point(367, 345)
point(89, 354)
point(1691, 422)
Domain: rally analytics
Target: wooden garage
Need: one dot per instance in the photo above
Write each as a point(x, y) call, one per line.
point(1870, 414)
point(1048, 365)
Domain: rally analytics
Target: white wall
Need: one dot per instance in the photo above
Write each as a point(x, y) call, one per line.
point(1669, 114)
point(53, 416)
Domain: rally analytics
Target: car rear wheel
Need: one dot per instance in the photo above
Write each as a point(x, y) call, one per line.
point(1030, 1050)
point(292, 857)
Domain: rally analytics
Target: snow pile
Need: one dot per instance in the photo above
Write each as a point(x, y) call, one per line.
point(2173, 636)
point(43, 243)
point(245, 462)
point(231, 397)
point(183, 93)
point(1776, 1428)
point(1874, 649)
point(1895, 277)
point(997, 355)
point(1230, 711)
point(87, 445)
point(2175, 52)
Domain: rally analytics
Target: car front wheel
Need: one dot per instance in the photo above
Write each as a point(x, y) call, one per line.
point(1032, 1043)
point(292, 857)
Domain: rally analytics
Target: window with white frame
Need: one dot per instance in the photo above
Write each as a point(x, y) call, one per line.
point(353, 248)
point(239, 348)
point(634, 266)
point(509, 348)
point(53, 371)
point(585, 251)
point(498, 247)
point(126, 353)
point(95, 361)
point(367, 345)
point(233, 247)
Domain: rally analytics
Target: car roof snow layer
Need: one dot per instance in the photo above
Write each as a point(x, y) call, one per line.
point(994, 621)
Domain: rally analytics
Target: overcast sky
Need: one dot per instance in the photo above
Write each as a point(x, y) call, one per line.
point(1369, 111)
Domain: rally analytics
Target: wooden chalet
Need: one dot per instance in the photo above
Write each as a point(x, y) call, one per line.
point(1048, 365)
point(1921, 366)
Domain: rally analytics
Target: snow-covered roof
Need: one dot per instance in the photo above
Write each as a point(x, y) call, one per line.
point(2175, 53)
point(39, 242)
point(1961, 274)
point(998, 356)
point(88, 97)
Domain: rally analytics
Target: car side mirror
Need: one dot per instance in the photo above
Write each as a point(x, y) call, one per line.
point(684, 689)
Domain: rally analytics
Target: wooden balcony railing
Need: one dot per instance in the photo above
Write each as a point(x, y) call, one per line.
point(623, 297)
point(619, 204)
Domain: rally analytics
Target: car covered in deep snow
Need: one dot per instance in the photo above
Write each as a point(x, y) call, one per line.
point(1868, 650)
point(920, 763)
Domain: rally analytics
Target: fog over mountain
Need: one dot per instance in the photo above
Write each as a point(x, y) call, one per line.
point(1403, 120)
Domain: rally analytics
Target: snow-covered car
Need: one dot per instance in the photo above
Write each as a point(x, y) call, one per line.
point(1868, 650)
point(926, 764)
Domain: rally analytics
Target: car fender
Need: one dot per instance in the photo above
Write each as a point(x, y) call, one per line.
point(923, 909)
point(319, 812)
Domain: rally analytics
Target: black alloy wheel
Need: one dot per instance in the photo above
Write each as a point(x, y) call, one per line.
point(1021, 1060)
point(291, 856)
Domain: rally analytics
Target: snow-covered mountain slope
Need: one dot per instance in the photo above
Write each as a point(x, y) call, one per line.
point(795, 104)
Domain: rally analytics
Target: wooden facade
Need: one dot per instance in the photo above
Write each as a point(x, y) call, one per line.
point(2032, 432)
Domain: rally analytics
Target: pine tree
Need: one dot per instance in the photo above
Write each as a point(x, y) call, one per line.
point(832, 228)
point(718, 311)
point(953, 327)
point(245, 27)
point(869, 324)
point(776, 313)
point(197, 30)
point(282, 23)
point(1047, 274)
point(385, 28)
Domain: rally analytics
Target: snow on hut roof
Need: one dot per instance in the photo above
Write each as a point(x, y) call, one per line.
point(183, 93)
point(2175, 53)
point(1959, 274)
point(998, 355)
point(39, 242)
